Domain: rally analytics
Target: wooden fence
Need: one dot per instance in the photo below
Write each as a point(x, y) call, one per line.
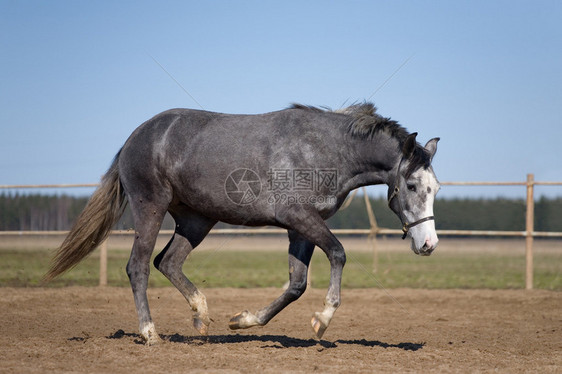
point(372, 232)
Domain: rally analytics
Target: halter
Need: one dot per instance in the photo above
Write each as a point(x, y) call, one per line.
point(405, 225)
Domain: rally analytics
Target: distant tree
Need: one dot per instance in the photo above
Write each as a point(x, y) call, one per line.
point(58, 212)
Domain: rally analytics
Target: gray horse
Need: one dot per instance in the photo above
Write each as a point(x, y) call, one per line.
point(291, 168)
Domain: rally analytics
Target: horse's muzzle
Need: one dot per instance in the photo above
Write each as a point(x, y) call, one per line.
point(427, 248)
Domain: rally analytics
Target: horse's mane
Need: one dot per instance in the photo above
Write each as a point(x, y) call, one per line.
point(364, 122)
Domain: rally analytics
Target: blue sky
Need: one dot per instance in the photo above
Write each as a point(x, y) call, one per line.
point(77, 77)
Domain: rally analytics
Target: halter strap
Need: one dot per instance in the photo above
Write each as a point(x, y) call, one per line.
point(408, 226)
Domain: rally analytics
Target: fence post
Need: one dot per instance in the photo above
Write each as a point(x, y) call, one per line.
point(529, 225)
point(103, 264)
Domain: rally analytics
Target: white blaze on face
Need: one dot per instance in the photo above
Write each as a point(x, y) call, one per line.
point(420, 201)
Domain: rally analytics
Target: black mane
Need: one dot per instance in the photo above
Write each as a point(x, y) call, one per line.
point(364, 122)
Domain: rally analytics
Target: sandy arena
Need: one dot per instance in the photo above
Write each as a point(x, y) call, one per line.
point(91, 330)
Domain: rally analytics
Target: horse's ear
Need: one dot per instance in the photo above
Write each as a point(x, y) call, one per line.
point(409, 145)
point(431, 147)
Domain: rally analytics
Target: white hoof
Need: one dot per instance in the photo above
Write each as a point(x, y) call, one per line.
point(243, 320)
point(149, 335)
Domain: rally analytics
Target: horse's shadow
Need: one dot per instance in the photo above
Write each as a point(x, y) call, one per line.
point(272, 341)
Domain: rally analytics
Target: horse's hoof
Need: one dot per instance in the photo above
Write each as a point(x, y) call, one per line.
point(318, 326)
point(201, 326)
point(149, 335)
point(235, 322)
point(243, 320)
point(153, 340)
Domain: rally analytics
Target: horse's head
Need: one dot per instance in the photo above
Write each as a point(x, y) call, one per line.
point(412, 192)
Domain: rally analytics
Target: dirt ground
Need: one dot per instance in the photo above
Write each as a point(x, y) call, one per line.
point(95, 330)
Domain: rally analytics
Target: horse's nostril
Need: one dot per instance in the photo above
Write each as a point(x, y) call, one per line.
point(426, 250)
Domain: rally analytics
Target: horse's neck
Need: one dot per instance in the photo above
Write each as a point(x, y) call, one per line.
point(374, 161)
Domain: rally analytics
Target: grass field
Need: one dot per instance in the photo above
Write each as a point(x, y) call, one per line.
point(262, 262)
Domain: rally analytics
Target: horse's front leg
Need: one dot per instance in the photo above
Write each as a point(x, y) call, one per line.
point(321, 320)
point(300, 253)
point(310, 228)
point(314, 229)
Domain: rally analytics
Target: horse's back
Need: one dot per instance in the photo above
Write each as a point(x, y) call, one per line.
point(189, 154)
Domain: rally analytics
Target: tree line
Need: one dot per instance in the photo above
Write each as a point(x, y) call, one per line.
point(57, 212)
point(495, 214)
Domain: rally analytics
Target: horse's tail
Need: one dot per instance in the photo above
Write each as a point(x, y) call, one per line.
point(92, 227)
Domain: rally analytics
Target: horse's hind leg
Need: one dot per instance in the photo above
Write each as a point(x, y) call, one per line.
point(148, 216)
point(300, 253)
point(191, 228)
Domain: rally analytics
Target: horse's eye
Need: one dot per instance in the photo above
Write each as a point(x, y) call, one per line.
point(411, 187)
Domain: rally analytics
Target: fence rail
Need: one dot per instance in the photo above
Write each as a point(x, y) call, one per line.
point(269, 231)
point(529, 234)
